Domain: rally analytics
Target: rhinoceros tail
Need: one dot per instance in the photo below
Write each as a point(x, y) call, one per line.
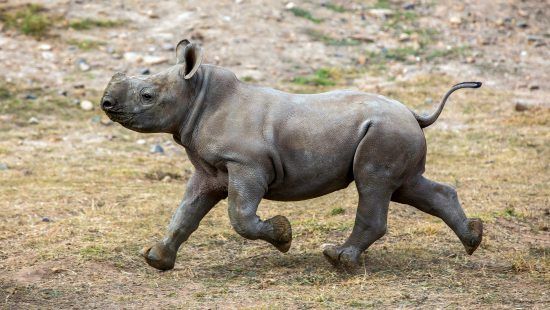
point(427, 120)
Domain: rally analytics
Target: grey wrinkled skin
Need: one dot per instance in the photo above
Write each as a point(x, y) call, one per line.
point(250, 143)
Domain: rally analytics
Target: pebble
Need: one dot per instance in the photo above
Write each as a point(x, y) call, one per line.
point(522, 24)
point(152, 14)
point(428, 101)
point(33, 120)
point(83, 65)
point(154, 60)
point(145, 71)
point(86, 105)
point(96, 119)
point(408, 6)
point(404, 37)
point(141, 141)
point(534, 87)
point(455, 20)
point(3, 167)
point(521, 106)
point(45, 47)
point(381, 13)
point(157, 149)
point(132, 57)
point(30, 96)
point(290, 6)
point(168, 46)
point(46, 219)
point(48, 56)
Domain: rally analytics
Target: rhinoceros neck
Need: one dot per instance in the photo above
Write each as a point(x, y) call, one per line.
point(211, 85)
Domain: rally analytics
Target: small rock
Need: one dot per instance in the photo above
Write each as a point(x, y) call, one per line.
point(154, 60)
point(46, 219)
point(534, 87)
point(522, 106)
point(48, 56)
point(533, 38)
point(157, 149)
point(133, 57)
point(428, 101)
point(168, 46)
point(145, 71)
point(45, 47)
point(290, 6)
point(33, 120)
point(404, 37)
point(96, 119)
point(361, 60)
point(363, 38)
point(470, 60)
point(83, 65)
point(381, 13)
point(500, 22)
point(166, 179)
point(408, 6)
point(3, 167)
point(455, 20)
point(106, 121)
point(141, 141)
point(522, 24)
point(86, 105)
point(152, 14)
point(62, 93)
point(30, 96)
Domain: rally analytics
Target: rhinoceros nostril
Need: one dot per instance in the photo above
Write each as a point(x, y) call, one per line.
point(107, 104)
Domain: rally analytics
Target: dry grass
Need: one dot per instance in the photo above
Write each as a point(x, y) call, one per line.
point(93, 183)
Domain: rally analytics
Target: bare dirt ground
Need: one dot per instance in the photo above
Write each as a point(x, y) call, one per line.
point(79, 196)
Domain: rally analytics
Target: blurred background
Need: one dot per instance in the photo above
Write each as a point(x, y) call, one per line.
point(79, 195)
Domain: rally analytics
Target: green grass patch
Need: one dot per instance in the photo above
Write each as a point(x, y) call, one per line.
point(337, 211)
point(328, 40)
point(86, 44)
point(299, 12)
point(89, 23)
point(93, 252)
point(382, 4)
point(454, 52)
point(335, 7)
point(321, 77)
point(30, 19)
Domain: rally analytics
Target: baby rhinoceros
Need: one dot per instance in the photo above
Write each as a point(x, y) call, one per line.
point(250, 143)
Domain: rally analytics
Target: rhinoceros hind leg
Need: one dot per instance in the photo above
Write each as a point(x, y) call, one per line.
point(442, 201)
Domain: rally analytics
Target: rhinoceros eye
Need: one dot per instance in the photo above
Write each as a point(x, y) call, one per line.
point(147, 94)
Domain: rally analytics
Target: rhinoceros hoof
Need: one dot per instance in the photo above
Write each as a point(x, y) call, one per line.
point(475, 234)
point(159, 256)
point(282, 232)
point(342, 258)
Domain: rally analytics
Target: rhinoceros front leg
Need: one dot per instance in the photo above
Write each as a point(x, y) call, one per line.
point(246, 189)
point(201, 195)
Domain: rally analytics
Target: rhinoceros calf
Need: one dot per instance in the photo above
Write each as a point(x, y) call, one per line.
point(248, 143)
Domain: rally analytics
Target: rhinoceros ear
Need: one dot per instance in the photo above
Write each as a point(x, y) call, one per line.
point(190, 55)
